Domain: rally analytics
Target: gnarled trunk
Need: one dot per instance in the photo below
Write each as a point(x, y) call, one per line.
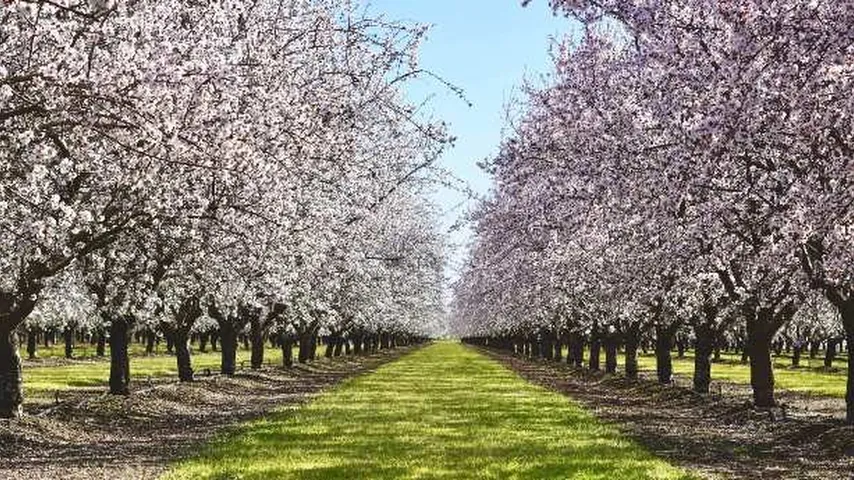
point(759, 351)
point(120, 327)
point(68, 334)
point(183, 356)
point(631, 354)
point(228, 348)
point(611, 345)
point(663, 361)
point(849, 389)
point(830, 353)
point(330, 345)
point(575, 355)
point(595, 349)
point(702, 361)
point(287, 344)
point(312, 346)
point(150, 341)
point(32, 342)
point(256, 331)
point(11, 379)
point(304, 346)
point(846, 310)
point(101, 346)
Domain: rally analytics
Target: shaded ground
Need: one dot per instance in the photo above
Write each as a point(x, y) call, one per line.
point(720, 434)
point(443, 412)
point(93, 436)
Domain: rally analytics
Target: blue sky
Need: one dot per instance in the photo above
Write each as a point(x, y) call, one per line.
point(487, 48)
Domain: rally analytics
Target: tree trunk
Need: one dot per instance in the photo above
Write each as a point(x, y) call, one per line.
point(796, 353)
point(11, 383)
point(170, 342)
point(304, 346)
point(256, 330)
point(150, 338)
point(69, 341)
point(663, 361)
point(312, 346)
point(595, 349)
point(287, 344)
point(214, 340)
point(702, 361)
point(101, 347)
point(575, 355)
point(203, 341)
point(119, 358)
point(846, 310)
point(228, 347)
point(631, 354)
point(32, 343)
point(759, 351)
point(611, 345)
point(339, 345)
point(830, 353)
point(547, 348)
point(330, 346)
point(182, 354)
point(849, 389)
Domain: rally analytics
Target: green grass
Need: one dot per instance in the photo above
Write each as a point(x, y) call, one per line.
point(41, 381)
point(442, 412)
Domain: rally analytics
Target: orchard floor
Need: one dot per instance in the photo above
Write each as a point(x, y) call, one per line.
point(443, 412)
point(90, 435)
point(720, 436)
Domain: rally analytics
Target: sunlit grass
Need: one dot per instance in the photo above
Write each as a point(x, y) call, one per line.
point(442, 412)
point(93, 374)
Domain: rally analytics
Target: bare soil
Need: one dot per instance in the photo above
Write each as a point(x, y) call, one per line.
point(97, 436)
point(719, 435)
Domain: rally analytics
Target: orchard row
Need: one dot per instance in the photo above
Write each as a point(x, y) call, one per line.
point(685, 174)
point(178, 166)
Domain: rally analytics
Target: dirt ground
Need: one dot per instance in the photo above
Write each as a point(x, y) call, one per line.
point(98, 436)
point(718, 435)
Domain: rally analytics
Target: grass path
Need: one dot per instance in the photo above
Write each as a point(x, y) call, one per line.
point(444, 411)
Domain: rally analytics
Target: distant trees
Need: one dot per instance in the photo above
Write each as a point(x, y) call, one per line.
point(688, 166)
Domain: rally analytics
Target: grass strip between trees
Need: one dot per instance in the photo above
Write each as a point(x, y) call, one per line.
point(444, 411)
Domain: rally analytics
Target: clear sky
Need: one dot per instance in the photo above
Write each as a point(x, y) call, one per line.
point(487, 48)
